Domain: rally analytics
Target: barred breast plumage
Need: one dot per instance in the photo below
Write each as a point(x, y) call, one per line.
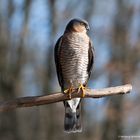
point(74, 59)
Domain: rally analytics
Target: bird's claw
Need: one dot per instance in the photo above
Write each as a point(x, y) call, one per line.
point(82, 88)
point(69, 91)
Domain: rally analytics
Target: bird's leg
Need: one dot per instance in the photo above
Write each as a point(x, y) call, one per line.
point(82, 89)
point(69, 91)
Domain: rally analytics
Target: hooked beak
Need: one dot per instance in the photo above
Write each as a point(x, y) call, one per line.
point(87, 27)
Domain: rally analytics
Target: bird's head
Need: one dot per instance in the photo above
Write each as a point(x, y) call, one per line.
point(77, 25)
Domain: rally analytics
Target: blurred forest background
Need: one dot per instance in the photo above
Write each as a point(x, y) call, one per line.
point(28, 32)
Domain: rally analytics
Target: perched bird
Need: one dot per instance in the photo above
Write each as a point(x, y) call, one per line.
point(74, 56)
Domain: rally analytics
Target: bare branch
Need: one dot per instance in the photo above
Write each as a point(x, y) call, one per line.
point(58, 97)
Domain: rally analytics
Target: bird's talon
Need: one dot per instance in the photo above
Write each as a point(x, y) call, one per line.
point(66, 91)
point(83, 93)
point(82, 88)
point(69, 91)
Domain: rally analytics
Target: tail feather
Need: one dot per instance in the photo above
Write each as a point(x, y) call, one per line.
point(72, 122)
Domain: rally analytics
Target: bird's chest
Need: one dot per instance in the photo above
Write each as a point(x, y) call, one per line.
point(74, 59)
point(74, 47)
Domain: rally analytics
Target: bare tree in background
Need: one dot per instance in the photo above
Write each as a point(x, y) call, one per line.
point(120, 69)
point(49, 124)
point(11, 64)
point(8, 120)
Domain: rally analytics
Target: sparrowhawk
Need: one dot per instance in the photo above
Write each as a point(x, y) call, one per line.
point(74, 56)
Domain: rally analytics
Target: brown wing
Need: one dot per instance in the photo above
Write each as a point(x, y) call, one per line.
point(57, 61)
point(90, 58)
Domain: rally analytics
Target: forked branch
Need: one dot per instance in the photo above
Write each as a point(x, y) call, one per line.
point(58, 97)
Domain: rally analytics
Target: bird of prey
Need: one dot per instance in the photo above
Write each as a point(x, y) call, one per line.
point(74, 56)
